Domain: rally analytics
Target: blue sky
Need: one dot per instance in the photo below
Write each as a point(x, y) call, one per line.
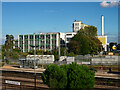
point(35, 17)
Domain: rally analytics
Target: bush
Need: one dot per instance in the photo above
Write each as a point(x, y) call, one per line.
point(68, 76)
point(54, 77)
point(80, 77)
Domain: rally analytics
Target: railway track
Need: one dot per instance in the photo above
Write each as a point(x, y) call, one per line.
point(27, 81)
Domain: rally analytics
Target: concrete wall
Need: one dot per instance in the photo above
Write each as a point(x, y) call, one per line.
point(42, 59)
point(108, 60)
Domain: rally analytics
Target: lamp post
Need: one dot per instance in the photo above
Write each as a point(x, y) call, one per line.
point(34, 64)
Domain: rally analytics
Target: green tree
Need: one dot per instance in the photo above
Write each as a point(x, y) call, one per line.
point(98, 43)
point(80, 77)
point(68, 76)
point(54, 77)
point(7, 49)
point(82, 44)
point(9, 42)
point(90, 31)
point(118, 46)
point(63, 51)
point(85, 41)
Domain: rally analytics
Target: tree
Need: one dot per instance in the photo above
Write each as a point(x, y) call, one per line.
point(80, 77)
point(85, 41)
point(90, 31)
point(9, 42)
point(98, 43)
point(68, 76)
point(82, 44)
point(74, 46)
point(111, 45)
point(54, 77)
point(63, 51)
point(118, 46)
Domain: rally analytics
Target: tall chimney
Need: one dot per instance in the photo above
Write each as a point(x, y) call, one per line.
point(102, 25)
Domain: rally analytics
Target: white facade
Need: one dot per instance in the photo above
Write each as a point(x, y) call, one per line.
point(69, 35)
point(77, 25)
point(70, 60)
point(42, 59)
point(45, 41)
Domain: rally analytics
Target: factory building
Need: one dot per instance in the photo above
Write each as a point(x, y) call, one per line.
point(51, 41)
point(44, 41)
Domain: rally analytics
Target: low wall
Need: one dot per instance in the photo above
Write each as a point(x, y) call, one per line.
point(104, 61)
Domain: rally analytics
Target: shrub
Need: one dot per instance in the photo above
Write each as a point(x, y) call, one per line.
point(54, 77)
point(80, 77)
point(68, 76)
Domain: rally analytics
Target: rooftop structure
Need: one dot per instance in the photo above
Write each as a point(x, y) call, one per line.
point(77, 25)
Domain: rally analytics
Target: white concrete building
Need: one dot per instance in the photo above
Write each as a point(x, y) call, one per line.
point(44, 41)
point(77, 25)
point(69, 35)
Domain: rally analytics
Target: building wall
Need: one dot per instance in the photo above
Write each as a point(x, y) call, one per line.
point(46, 41)
point(103, 39)
point(76, 26)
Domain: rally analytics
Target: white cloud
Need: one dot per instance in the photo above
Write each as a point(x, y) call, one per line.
point(112, 3)
point(104, 4)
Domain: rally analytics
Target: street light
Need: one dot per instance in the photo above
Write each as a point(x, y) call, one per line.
point(34, 63)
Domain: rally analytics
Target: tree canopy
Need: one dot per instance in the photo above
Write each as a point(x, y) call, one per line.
point(68, 76)
point(85, 42)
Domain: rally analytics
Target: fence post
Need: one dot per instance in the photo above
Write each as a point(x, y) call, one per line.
point(20, 86)
point(5, 86)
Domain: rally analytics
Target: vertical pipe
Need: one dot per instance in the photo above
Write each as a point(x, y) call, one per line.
point(102, 25)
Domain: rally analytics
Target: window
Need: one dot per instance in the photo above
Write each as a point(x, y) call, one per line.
point(21, 37)
point(42, 36)
point(37, 37)
point(53, 41)
point(68, 39)
point(47, 46)
point(47, 41)
point(26, 36)
point(26, 42)
point(76, 24)
point(31, 36)
point(31, 42)
point(47, 36)
point(37, 42)
point(68, 34)
point(54, 36)
point(76, 27)
point(42, 47)
point(42, 42)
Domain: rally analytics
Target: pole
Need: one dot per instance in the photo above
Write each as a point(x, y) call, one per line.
point(34, 69)
point(5, 86)
point(101, 65)
point(20, 86)
point(59, 47)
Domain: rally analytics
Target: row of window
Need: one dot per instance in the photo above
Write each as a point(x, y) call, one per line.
point(37, 42)
point(41, 47)
point(37, 37)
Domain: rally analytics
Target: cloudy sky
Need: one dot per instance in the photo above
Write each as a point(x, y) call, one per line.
point(34, 17)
